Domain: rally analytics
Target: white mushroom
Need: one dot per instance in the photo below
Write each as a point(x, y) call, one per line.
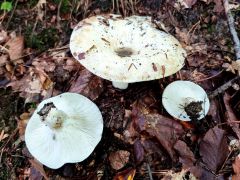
point(185, 100)
point(126, 50)
point(64, 129)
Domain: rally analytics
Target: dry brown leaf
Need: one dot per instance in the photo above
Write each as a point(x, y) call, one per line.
point(118, 159)
point(40, 9)
point(3, 59)
point(22, 124)
point(214, 148)
point(186, 3)
point(15, 48)
point(88, 85)
point(234, 67)
point(138, 151)
point(186, 155)
point(34, 82)
point(3, 36)
point(236, 165)
point(39, 167)
point(183, 35)
point(166, 130)
point(231, 117)
point(179, 175)
point(3, 135)
point(127, 174)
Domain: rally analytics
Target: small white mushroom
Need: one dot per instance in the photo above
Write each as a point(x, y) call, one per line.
point(185, 100)
point(64, 129)
point(125, 50)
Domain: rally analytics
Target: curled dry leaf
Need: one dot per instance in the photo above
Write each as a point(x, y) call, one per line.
point(15, 48)
point(231, 117)
point(88, 85)
point(127, 174)
point(214, 148)
point(119, 159)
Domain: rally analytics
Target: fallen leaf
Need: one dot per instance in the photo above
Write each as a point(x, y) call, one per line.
point(127, 174)
point(3, 36)
point(170, 175)
point(15, 48)
point(236, 168)
point(22, 124)
point(3, 135)
point(39, 167)
point(118, 159)
point(186, 155)
point(138, 151)
point(166, 130)
point(231, 117)
point(214, 148)
point(3, 60)
point(186, 4)
point(88, 85)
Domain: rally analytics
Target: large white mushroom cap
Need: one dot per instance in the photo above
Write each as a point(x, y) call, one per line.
point(179, 94)
point(126, 50)
point(64, 129)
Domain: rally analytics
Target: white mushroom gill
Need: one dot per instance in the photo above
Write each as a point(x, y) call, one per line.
point(64, 129)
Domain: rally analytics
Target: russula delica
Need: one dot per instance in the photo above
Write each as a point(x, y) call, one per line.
point(185, 100)
point(64, 129)
point(125, 50)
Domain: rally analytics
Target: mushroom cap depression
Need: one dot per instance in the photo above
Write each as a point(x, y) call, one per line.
point(126, 50)
point(179, 95)
point(68, 133)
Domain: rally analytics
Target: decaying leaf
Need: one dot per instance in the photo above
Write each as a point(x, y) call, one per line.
point(3, 135)
point(87, 84)
point(166, 130)
point(22, 124)
point(138, 151)
point(118, 159)
point(234, 67)
point(231, 117)
point(127, 174)
point(34, 82)
point(214, 148)
point(184, 174)
point(15, 48)
point(38, 167)
point(3, 36)
point(236, 168)
point(186, 155)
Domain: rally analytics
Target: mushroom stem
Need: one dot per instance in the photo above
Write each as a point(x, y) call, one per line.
point(55, 118)
point(120, 85)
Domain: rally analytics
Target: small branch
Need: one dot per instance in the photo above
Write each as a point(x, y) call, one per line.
point(232, 29)
point(223, 88)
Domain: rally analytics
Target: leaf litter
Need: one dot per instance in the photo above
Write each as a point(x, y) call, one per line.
point(140, 139)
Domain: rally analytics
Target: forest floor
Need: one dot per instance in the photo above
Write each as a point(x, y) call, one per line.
point(140, 139)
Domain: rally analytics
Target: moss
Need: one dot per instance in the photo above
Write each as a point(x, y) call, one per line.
point(65, 6)
point(42, 41)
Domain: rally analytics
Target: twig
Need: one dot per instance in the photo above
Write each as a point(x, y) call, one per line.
point(223, 88)
point(149, 172)
point(58, 15)
point(232, 29)
point(9, 20)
